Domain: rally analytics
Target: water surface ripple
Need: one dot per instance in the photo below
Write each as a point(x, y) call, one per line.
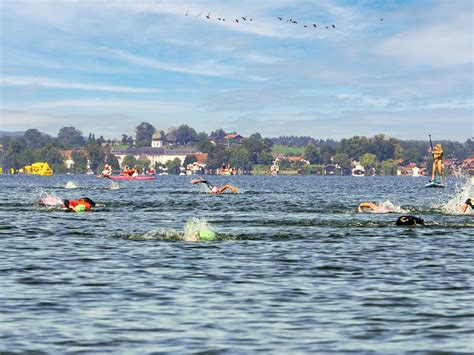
point(295, 268)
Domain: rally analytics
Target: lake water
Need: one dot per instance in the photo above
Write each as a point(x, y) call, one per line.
point(294, 269)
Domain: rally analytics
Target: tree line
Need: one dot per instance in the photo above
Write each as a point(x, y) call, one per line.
point(379, 151)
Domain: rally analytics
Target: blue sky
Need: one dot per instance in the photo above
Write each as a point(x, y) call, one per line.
point(105, 66)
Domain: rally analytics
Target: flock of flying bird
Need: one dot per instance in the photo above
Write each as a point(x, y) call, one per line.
point(246, 18)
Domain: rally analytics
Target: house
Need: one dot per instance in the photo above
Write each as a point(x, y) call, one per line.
point(330, 169)
point(233, 138)
point(358, 169)
point(159, 155)
point(157, 140)
point(297, 160)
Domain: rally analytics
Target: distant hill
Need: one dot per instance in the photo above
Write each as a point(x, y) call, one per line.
point(11, 134)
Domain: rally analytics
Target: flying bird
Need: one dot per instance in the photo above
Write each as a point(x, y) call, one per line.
point(236, 20)
point(314, 25)
point(244, 18)
point(280, 18)
point(208, 16)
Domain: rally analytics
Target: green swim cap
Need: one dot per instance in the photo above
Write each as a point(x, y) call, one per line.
point(80, 208)
point(207, 234)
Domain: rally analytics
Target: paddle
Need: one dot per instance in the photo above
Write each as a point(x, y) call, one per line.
point(431, 143)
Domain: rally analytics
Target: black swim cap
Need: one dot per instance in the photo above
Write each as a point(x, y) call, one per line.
point(66, 203)
point(469, 202)
point(409, 220)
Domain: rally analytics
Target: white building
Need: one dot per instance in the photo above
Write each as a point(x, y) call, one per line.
point(159, 155)
point(157, 140)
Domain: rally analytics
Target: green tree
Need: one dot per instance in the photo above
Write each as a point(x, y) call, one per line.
point(143, 134)
point(240, 157)
point(383, 148)
point(80, 162)
point(130, 161)
point(35, 139)
point(412, 155)
point(190, 159)
point(343, 161)
point(202, 136)
point(174, 166)
point(96, 154)
point(143, 163)
point(326, 152)
point(368, 161)
point(311, 154)
point(205, 146)
point(53, 157)
point(389, 167)
point(217, 135)
point(70, 137)
point(354, 147)
point(112, 160)
point(217, 156)
point(185, 135)
point(265, 158)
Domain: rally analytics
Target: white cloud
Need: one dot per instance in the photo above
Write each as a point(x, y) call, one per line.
point(207, 68)
point(62, 84)
point(115, 106)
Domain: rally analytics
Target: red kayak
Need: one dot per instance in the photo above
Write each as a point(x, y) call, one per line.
point(128, 177)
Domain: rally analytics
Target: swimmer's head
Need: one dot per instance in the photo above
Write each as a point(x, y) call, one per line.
point(65, 204)
point(470, 202)
point(409, 221)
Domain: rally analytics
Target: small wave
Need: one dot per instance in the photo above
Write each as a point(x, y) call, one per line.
point(114, 185)
point(463, 192)
point(195, 230)
point(70, 185)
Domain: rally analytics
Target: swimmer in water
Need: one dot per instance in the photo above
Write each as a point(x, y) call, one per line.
point(215, 189)
point(372, 207)
point(468, 203)
point(81, 205)
point(409, 220)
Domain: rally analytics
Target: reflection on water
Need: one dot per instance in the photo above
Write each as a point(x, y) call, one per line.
point(294, 268)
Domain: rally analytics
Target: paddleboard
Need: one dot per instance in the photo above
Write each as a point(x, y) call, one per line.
point(434, 184)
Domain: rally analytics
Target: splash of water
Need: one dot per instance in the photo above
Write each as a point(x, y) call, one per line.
point(70, 185)
point(193, 227)
point(384, 207)
point(463, 192)
point(114, 185)
point(390, 207)
point(50, 200)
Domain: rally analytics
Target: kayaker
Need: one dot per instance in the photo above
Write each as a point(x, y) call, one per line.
point(79, 205)
point(409, 220)
point(213, 189)
point(107, 170)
